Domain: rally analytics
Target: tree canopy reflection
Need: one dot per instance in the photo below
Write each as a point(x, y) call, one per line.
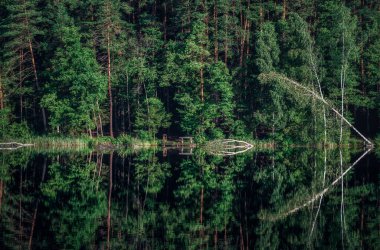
point(260, 199)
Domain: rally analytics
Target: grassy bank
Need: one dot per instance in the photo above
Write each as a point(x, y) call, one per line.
point(86, 142)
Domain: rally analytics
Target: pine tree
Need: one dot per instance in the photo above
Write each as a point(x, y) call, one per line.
point(110, 36)
point(20, 28)
point(191, 98)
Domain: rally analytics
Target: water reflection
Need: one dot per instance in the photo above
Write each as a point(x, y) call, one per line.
point(293, 198)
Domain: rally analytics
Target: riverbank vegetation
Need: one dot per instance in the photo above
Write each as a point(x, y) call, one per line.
point(145, 68)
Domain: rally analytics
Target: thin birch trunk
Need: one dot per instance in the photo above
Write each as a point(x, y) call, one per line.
point(323, 186)
point(314, 68)
point(318, 195)
point(342, 220)
point(342, 80)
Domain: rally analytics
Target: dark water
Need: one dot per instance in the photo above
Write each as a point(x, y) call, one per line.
point(282, 199)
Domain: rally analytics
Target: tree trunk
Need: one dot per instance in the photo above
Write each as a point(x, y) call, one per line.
point(128, 107)
point(342, 85)
point(201, 232)
point(96, 123)
point(362, 71)
point(215, 238)
point(248, 36)
point(21, 232)
point(261, 14)
point(36, 82)
point(201, 212)
point(241, 237)
point(320, 194)
point(215, 31)
point(100, 118)
point(123, 116)
point(36, 209)
point(284, 7)
point(109, 203)
point(109, 81)
point(298, 85)
point(1, 195)
point(206, 19)
point(244, 23)
point(202, 83)
point(226, 38)
point(225, 233)
point(1, 95)
point(242, 40)
point(20, 82)
point(128, 182)
point(165, 21)
point(30, 243)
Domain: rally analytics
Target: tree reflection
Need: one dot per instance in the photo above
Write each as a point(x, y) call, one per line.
point(261, 199)
point(73, 208)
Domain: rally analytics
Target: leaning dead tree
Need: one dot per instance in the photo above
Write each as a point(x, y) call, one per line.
point(289, 82)
point(227, 147)
point(13, 145)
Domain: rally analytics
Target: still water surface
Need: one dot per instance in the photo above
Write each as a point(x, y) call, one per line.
point(283, 199)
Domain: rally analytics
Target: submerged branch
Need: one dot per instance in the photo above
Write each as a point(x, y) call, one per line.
point(320, 194)
point(228, 147)
point(13, 145)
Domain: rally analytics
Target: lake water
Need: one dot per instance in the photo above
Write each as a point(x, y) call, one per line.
point(293, 198)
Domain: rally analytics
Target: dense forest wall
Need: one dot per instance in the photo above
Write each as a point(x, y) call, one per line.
point(108, 67)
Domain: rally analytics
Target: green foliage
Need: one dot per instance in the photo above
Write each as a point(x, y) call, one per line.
point(9, 131)
point(267, 56)
point(211, 116)
point(337, 42)
point(200, 60)
point(150, 118)
point(76, 85)
point(75, 221)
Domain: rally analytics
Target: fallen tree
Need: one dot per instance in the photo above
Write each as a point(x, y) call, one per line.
point(13, 145)
point(265, 77)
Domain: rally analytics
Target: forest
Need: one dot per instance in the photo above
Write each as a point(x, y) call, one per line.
point(205, 68)
point(298, 81)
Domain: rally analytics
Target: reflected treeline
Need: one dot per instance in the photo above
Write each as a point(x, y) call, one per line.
point(294, 198)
